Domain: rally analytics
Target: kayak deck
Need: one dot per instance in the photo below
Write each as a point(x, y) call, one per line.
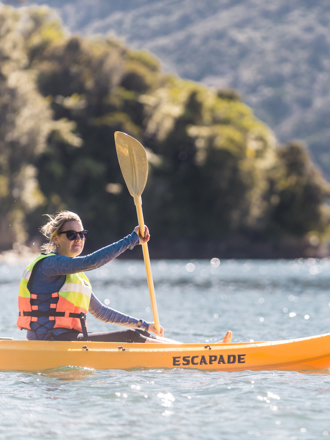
point(298, 354)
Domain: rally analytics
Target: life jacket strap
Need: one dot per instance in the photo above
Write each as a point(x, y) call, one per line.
point(49, 313)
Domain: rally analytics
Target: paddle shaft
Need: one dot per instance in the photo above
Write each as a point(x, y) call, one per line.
point(145, 250)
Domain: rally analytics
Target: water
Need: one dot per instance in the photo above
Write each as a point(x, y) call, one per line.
point(197, 302)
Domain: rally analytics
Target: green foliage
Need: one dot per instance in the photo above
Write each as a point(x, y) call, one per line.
point(40, 28)
point(25, 120)
point(229, 94)
point(215, 170)
point(301, 193)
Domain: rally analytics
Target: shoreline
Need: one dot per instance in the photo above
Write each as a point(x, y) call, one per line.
point(20, 254)
point(196, 250)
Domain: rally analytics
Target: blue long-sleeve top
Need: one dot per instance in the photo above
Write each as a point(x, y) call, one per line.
point(50, 276)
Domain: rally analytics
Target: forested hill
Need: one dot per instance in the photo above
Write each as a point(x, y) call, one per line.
point(275, 53)
point(219, 184)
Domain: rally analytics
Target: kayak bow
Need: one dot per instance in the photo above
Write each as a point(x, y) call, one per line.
point(298, 354)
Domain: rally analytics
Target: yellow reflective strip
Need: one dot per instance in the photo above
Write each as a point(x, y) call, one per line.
point(75, 287)
point(26, 274)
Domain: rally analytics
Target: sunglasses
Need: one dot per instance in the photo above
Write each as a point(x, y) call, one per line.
point(72, 235)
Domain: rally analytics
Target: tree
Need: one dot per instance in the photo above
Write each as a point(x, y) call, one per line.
point(300, 193)
point(24, 123)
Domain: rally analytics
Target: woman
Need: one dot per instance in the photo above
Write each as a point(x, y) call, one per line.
point(55, 294)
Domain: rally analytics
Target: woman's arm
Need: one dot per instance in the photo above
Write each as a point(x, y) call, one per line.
point(105, 314)
point(62, 265)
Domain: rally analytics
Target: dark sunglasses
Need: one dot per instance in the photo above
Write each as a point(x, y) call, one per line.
point(72, 235)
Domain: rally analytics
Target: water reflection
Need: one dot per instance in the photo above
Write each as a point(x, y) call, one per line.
point(68, 374)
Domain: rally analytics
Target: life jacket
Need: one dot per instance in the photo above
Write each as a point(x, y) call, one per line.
point(71, 301)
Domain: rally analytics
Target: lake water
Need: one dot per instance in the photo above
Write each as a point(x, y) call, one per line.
point(197, 302)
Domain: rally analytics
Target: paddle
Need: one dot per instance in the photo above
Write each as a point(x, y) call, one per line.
point(133, 163)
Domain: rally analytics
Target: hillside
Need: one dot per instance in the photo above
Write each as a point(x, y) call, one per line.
point(276, 54)
point(218, 183)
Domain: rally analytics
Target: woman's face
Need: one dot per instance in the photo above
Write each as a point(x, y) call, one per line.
point(70, 248)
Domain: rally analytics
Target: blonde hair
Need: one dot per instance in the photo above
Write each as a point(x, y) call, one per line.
point(51, 229)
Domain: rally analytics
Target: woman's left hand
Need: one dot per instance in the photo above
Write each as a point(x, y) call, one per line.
point(146, 237)
point(153, 329)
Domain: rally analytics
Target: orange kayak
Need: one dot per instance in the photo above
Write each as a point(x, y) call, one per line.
point(310, 353)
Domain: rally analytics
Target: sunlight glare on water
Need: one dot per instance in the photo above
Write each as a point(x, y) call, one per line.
point(197, 302)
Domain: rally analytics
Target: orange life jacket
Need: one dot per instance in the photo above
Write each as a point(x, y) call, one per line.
point(70, 309)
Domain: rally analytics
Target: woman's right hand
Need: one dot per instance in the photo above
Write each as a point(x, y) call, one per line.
point(153, 329)
point(146, 237)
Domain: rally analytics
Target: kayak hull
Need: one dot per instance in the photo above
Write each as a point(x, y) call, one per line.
point(304, 354)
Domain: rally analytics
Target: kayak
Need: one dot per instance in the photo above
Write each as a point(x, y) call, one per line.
point(309, 353)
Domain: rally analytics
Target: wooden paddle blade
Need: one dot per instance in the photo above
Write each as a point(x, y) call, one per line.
point(132, 158)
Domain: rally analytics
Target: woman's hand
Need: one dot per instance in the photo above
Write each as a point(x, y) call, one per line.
point(153, 329)
point(146, 237)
